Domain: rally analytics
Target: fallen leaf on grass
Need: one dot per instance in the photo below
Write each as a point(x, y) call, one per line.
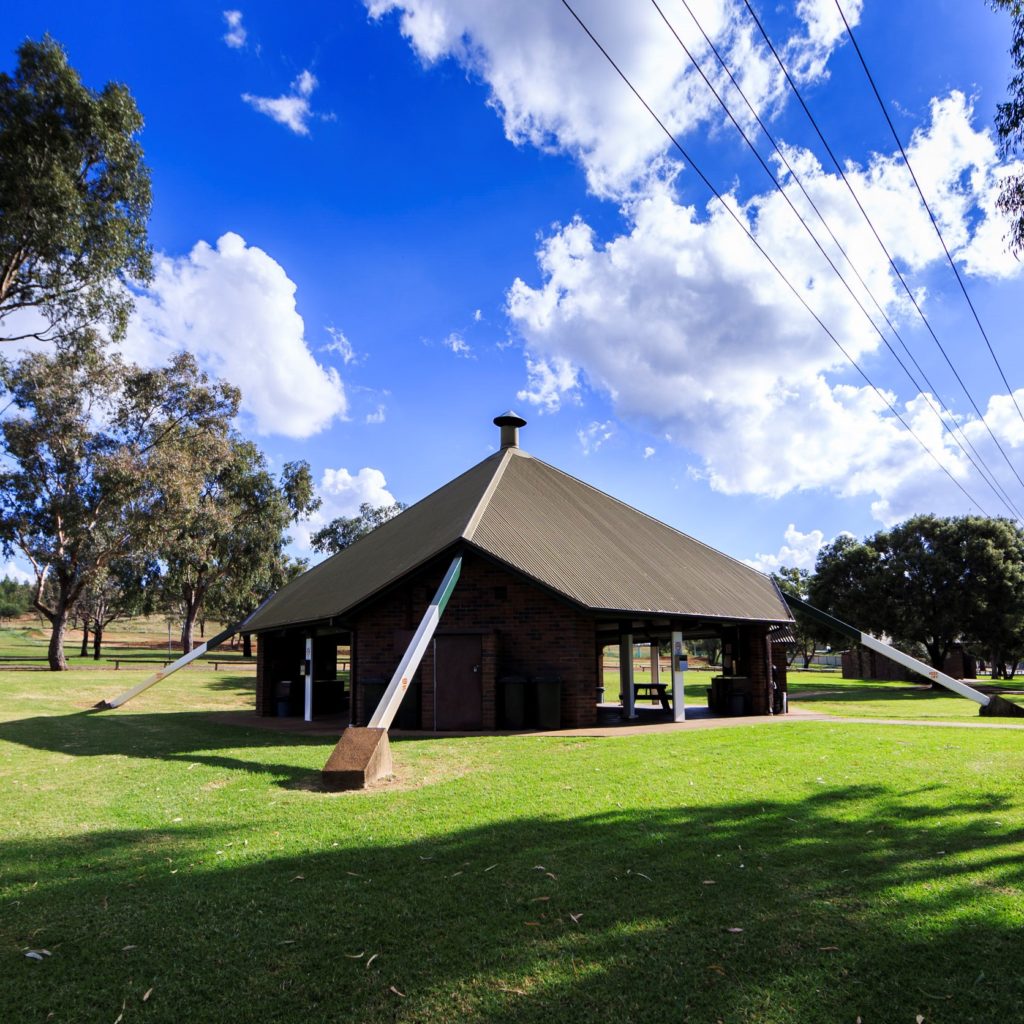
point(120, 1016)
point(491, 868)
point(372, 958)
point(539, 867)
point(299, 878)
point(540, 899)
point(511, 991)
point(146, 995)
point(828, 949)
point(576, 917)
point(37, 954)
point(124, 949)
point(456, 875)
point(426, 858)
point(391, 988)
point(354, 956)
point(532, 924)
point(551, 875)
point(709, 881)
point(354, 874)
point(717, 968)
point(734, 931)
point(640, 873)
point(920, 1019)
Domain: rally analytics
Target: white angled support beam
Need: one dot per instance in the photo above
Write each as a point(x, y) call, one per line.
point(185, 659)
point(888, 651)
point(399, 685)
point(196, 652)
point(925, 670)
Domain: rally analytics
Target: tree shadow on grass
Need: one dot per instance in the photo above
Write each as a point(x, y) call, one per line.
point(187, 736)
point(812, 910)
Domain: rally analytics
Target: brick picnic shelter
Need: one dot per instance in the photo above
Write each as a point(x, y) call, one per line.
point(553, 572)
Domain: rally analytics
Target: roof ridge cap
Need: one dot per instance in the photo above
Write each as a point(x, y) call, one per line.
point(485, 499)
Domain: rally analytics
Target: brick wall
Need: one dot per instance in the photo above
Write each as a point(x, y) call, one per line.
point(523, 629)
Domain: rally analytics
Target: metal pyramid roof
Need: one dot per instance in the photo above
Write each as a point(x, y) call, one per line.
point(549, 526)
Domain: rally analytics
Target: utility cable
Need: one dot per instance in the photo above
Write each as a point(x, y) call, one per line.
point(973, 456)
point(931, 216)
point(735, 216)
point(874, 231)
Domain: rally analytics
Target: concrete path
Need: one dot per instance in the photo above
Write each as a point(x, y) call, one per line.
point(652, 722)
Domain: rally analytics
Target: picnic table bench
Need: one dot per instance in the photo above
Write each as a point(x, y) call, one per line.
point(653, 691)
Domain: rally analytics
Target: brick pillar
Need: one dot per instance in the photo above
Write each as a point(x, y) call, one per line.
point(756, 652)
point(426, 673)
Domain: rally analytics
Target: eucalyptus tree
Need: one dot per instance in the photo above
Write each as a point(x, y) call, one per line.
point(97, 453)
point(1010, 127)
point(339, 533)
point(74, 200)
point(229, 536)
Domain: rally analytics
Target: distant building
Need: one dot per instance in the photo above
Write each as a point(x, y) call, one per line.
point(860, 663)
point(553, 572)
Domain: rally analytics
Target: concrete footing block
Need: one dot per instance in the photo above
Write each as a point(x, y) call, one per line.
point(360, 758)
point(1000, 707)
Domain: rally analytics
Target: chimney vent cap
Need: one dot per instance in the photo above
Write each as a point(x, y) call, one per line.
point(509, 419)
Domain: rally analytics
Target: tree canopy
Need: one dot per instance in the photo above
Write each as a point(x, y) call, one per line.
point(227, 538)
point(339, 533)
point(931, 581)
point(74, 200)
point(99, 453)
point(1010, 126)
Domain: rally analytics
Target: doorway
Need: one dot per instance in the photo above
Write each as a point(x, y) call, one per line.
point(458, 688)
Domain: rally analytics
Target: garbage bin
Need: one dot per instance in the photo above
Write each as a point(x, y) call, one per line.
point(283, 698)
point(549, 702)
point(513, 702)
point(372, 691)
point(737, 704)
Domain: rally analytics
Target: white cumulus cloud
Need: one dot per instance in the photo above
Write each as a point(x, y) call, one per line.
point(341, 493)
point(233, 307)
point(554, 90)
point(689, 331)
point(236, 35)
point(293, 109)
point(798, 551)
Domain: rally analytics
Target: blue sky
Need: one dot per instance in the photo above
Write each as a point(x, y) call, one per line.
point(390, 221)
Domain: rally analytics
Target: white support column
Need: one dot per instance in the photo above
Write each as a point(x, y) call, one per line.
point(626, 675)
point(307, 713)
point(679, 666)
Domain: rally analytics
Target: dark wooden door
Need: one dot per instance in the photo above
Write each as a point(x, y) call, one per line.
point(458, 698)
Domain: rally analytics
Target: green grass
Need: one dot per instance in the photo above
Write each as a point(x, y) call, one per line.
point(862, 698)
point(875, 871)
point(25, 643)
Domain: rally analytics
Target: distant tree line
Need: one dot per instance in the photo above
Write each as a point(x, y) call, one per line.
point(927, 584)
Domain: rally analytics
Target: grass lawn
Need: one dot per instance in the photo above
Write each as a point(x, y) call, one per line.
point(830, 694)
point(180, 870)
point(142, 640)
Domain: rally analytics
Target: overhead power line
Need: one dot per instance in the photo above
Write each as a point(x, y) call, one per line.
point(931, 216)
point(952, 427)
point(738, 220)
point(993, 484)
point(878, 238)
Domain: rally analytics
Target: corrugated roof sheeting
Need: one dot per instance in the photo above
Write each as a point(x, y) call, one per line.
point(382, 556)
point(578, 541)
point(606, 555)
